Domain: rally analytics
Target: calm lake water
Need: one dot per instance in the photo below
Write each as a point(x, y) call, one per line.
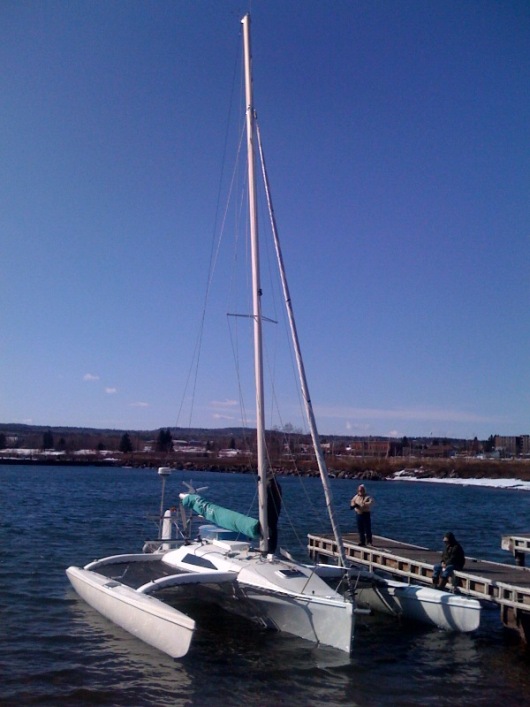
point(55, 650)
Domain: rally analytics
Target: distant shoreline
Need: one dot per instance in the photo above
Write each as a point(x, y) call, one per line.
point(54, 462)
point(361, 469)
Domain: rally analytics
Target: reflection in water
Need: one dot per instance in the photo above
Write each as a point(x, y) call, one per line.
point(228, 657)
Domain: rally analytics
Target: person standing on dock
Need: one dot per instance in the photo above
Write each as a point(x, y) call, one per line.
point(453, 558)
point(362, 505)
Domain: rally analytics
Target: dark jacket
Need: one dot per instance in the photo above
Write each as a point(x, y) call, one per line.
point(453, 553)
point(274, 500)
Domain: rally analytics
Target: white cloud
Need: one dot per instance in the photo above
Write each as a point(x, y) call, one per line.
point(111, 391)
point(140, 405)
point(90, 377)
point(218, 416)
point(357, 427)
point(224, 403)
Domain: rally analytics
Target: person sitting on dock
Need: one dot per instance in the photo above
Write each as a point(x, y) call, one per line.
point(453, 558)
point(362, 505)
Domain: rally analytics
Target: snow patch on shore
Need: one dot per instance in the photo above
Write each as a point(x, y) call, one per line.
point(410, 475)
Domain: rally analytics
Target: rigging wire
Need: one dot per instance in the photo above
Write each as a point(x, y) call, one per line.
point(214, 254)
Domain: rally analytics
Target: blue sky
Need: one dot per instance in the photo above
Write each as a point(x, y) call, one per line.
point(398, 149)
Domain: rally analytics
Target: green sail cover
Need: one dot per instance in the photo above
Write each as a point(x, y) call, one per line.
point(225, 518)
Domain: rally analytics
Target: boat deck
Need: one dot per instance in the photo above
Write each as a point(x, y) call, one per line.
point(506, 585)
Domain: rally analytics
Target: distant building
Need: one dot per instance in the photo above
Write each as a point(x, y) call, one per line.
point(524, 444)
point(369, 447)
point(505, 445)
point(439, 451)
point(227, 453)
point(188, 447)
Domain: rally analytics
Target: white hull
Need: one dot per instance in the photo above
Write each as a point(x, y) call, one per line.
point(324, 623)
point(447, 611)
point(275, 593)
point(145, 617)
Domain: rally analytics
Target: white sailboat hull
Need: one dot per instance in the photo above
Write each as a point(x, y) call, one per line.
point(144, 616)
point(447, 611)
point(274, 593)
point(324, 623)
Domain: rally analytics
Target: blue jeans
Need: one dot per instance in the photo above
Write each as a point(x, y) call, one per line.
point(447, 572)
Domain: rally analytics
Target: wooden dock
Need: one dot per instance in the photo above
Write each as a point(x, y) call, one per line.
point(518, 545)
point(503, 584)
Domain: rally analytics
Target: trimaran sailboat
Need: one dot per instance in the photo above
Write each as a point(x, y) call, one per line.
point(223, 564)
point(273, 591)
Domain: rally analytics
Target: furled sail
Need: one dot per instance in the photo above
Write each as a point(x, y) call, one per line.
point(225, 518)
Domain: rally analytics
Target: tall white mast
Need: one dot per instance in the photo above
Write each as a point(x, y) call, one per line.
point(256, 291)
